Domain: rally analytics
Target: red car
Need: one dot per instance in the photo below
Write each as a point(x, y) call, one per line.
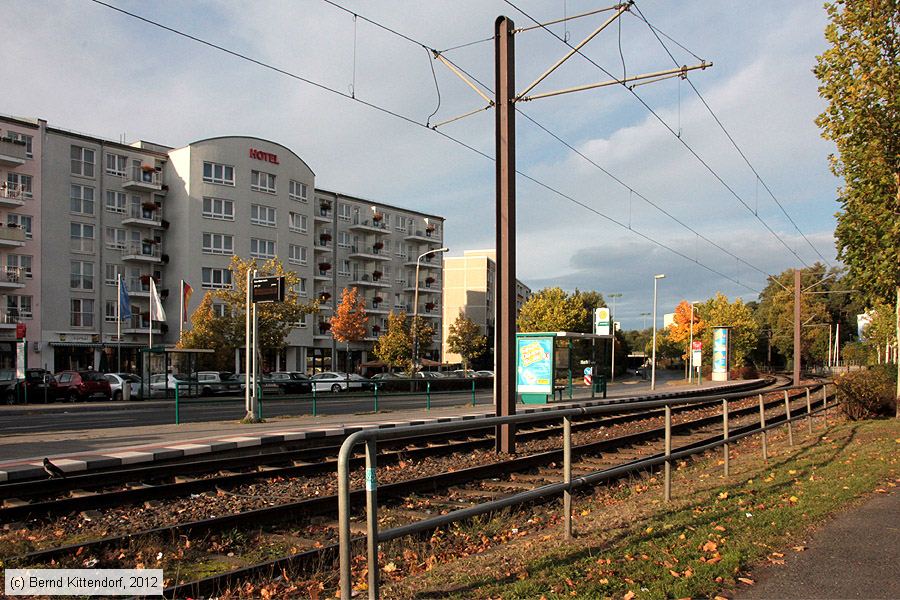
point(80, 385)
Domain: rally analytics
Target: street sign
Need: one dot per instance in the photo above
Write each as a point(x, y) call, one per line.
point(696, 345)
point(267, 289)
point(588, 375)
point(601, 321)
point(697, 359)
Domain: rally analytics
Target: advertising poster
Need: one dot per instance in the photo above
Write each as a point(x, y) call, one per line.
point(534, 365)
point(720, 354)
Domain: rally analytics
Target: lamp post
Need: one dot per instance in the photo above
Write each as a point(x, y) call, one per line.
point(645, 315)
point(612, 320)
point(691, 345)
point(656, 279)
point(415, 327)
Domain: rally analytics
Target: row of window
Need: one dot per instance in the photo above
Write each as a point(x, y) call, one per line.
point(81, 202)
point(260, 181)
point(82, 161)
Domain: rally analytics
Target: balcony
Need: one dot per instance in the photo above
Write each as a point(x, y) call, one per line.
point(11, 278)
point(12, 196)
point(140, 324)
point(420, 235)
point(11, 236)
point(369, 226)
point(139, 287)
point(142, 252)
point(369, 253)
point(324, 213)
point(425, 288)
point(377, 308)
point(12, 152)
point(143, 179)
point(369, 280)
point(321, 246)
point(12, 317)
point(142, 215)
point(429, 262)
point(434, 312)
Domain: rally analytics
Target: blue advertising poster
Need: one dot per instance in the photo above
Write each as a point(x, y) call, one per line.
point(720, 350)
point(534, 365)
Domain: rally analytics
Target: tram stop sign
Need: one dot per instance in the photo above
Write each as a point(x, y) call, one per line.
point(267, 289)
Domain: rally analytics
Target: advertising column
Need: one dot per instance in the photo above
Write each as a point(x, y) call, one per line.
point(720, 359)
point(534, 368)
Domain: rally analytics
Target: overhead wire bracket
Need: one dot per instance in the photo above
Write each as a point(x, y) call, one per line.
point(455, 70)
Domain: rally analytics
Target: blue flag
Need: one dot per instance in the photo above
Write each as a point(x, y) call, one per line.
point(124, 301)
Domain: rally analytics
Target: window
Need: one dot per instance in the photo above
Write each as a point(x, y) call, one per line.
point(398, 248)
point(262, 215)
point(82, 275)
point(19, 306)
point(216, 278)
point(218, 208)
point(345, 268)
point(218, 309)
point(29, 141)
point(82, 161)
point(111, 274)
point(82, 314)
point(398, 301)
point(218, 243)
point(81, 200)
point(387, 220)
point(343, 239)
point(302, 322)
point(22, 262)
point(298, 222)
point(20, 183)
point(115, 164)
point(216, 173)
point(23, 221)
point(297, 254)
point(344, 211)
point(301, 287)
point(116, 201)
point(386, 272)
point(109, 313)
point(82, 237)
point(298, 191)
point(400, 222)
point(262, 248)
point(262, 182)
point(115, 238)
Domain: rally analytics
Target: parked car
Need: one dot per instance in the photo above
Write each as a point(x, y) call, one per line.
point(291, 382)
point(117, 382)
point(484, 373)
point(75, 386)
point(33, 389)
point(268, 386)
point(336, 381)
point(386, 376)
point(218, 382)
point(162, 385)
point(429, 375)
point(462, 373)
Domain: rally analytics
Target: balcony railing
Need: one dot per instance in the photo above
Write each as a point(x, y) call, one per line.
point(13, 315)
point(13, 275)
point(11, 235)
point(142, 250)
point(13, 152)
point(143, 213)
point(12, 194)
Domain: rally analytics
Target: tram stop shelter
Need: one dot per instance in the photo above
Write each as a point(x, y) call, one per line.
point(545, 365)
point(165, 360)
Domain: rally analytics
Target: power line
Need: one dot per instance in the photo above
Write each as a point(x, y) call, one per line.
point(657, 33)
point(412, 121)
point(669, 128)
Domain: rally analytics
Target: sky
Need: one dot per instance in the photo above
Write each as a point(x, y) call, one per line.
point(86, 67)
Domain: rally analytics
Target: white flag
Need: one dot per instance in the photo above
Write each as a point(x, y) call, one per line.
point(157, 312)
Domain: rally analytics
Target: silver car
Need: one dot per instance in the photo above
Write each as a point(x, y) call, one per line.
point(117, 383)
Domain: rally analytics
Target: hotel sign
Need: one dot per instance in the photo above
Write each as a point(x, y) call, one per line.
point(266, 156)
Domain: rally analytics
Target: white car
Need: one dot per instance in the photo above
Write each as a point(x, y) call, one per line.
point(335, 381)
point(117, 381)
point(162, 385)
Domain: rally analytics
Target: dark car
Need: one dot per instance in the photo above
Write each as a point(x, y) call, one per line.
point(291, 382)
point(34, 388)
point(80, 385)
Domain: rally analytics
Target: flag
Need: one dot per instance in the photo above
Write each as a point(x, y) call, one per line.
point(157, 313)
point(124, 301)
point(186, 291)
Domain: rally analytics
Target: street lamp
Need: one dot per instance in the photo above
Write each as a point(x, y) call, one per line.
point(415, 325)
point(645, 315)
point(612, 320)
point(656, 279)
point(691, 346)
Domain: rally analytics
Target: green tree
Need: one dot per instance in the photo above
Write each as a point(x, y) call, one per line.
point(719, 312)
point(394, 347)
point(591, 300)
point(551, 309)
point(880, 333)
point(464, 337)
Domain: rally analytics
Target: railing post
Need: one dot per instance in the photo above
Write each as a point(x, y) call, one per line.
point(808, 412)
point(825, 404)
point(177, 415)
point(725, 449)
point(372, 516)
point(762, 428)
point(345, 554)
point(427, 395)
point(376, 396)
point(473, 391)
point(259, 402)
point(315, 412)
point(787, 417)
point(567, 475)
point(667, 485)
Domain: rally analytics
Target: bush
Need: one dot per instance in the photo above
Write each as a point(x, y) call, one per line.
point(746, 372)
point(867, 394)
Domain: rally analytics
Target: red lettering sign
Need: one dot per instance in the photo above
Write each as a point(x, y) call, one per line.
point(266, 156)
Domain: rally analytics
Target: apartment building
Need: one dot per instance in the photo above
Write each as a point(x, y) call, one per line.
point(470, 288)
point(98, 210)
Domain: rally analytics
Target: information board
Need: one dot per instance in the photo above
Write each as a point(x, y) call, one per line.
point(268, 289)
point(534, 365)
point(601, 320)
point(720, 353)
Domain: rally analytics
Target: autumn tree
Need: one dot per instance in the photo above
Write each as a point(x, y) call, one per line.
point(348, 324)
point(719, 312)
point(679, 332)
point(880, 334)
point(860, 80)
point(551, 309)
point(394, 347)
point(205, 332)
point(464, 337)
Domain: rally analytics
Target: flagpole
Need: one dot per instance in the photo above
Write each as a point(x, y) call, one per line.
point(181, 313)
point(119, 322)
point(151, 315)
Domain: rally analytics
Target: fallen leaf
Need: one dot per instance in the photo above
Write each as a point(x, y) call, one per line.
point(778, 555)
point(799, 548)
point(649, 530)
point(746, 580)
point(709, 546)
point(681, 537)
point(628, 595)
point(794, 499)
point(390, 567)
point(719, 528)
point(723, 495)
point(674, 573)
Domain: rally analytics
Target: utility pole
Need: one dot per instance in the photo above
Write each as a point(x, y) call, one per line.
point(505, 330)
point(796, 326)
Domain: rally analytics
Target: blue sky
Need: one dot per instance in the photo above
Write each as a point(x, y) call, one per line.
point(85, 67)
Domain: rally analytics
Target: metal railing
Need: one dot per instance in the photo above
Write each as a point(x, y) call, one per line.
point(11, 275)
point(142, 249)
point(370, 438)
point(14, 191)
point(149, 176)
point(138, 211)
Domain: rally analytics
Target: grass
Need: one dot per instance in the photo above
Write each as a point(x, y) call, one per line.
point(701, 544)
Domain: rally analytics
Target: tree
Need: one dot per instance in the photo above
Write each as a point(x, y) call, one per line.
point(860, 79)
point(591, 300)
point(719, 312)
point(424, 332)
point(464, 338)
point(551, 309)
point(394, 347)
point(206, 332)
point(275, 319)
point(880, 334)
point(679, 332)
point(348, 323)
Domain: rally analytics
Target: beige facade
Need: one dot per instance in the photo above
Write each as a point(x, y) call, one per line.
point(469, 288)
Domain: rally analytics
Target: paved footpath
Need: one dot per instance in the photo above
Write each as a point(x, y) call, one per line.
point(853, 556)
point(82, 450)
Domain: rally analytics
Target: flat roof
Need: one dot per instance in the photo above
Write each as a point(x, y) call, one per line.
point(378, 202)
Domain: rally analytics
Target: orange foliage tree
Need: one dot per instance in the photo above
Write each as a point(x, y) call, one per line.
point(348, 324)
point(679, 332)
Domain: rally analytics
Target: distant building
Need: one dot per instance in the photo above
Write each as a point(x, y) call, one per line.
point(470, 288)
